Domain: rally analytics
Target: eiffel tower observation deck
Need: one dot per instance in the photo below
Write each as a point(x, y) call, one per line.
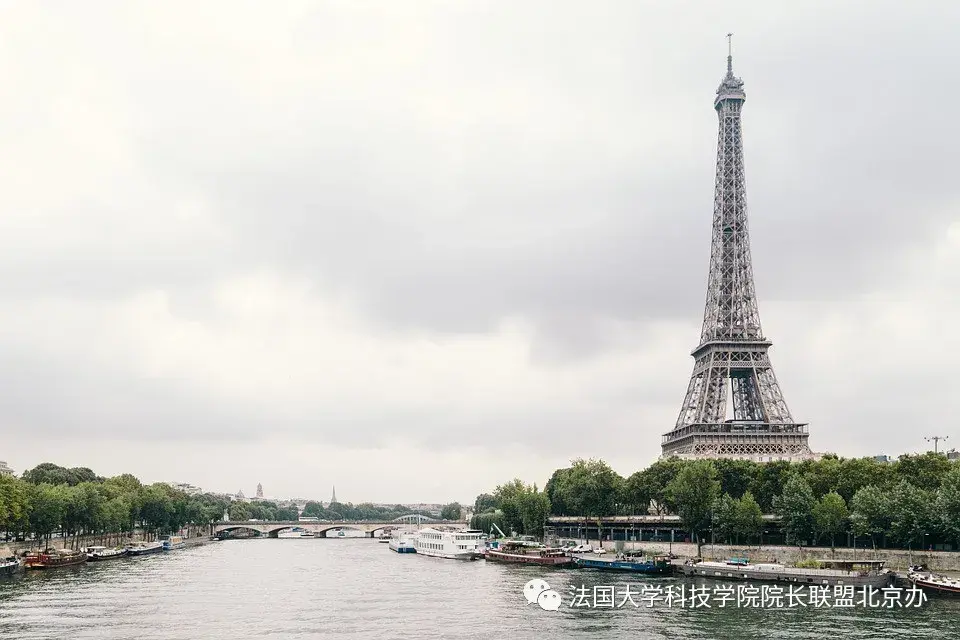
point(732, 368)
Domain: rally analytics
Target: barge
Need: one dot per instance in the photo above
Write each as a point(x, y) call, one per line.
point(833, 572)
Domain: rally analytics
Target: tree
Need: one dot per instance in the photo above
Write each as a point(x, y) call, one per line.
point(725, 517)
point(768, 482)
point(452, 511)
point(508, 497)
point(857, 473)
point(735, 475)
point(694, 491)
point(534, 510)
point(924, 471)
point(636, 494)
point(485, 521)
point(870, 513)
point(485, 502)
point(552, 489)
point(948, 503)
point(657, 478)
point(749, 517)
point(823, 475)
point(48, 506)
point(313, 509)
point(287, 513)
point(14, 504)
point(795, 506)
point(239, 511)
point(912, 514)
point(590, 488)
point(830, 516)
point(523, 508)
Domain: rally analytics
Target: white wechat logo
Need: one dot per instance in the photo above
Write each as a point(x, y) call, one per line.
point(540, 592)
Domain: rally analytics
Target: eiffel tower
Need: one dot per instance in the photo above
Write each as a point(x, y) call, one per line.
point(732, 357)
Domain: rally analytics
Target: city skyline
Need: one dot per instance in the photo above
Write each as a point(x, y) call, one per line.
point(343, 246)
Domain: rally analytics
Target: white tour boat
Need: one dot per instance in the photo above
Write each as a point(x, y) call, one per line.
point(403, 542)
point(294, 533)
point(457, 545)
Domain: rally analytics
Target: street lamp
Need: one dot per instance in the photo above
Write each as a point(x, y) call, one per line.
point(936, 441)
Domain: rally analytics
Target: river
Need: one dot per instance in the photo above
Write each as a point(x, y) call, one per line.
point(328, 588)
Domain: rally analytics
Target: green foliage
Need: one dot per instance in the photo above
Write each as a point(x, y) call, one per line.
point(948, 502)
point(552, 489)
point(808, 564)
point(523, 508)
point(749, 520)
point(870, 513)
point(452, 511)
point(313, 510)
point(657, 477)
point(924, 471)
point(768, 483)
point(736, 476)
point(590, 488)
point(485, 521)
point(485, 502)
point(795, 505)
point(725, 518)
point(830, 516)
point(913, 514)
point(49, 473)
point(636, 494)
point(694, 491)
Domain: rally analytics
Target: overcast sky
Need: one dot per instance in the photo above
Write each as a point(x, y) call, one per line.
point(415, 249)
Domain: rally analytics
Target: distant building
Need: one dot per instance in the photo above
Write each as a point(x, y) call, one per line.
point(259, 490)
point(186, 488)
point(953, 454)
point(883, 458)
point(240, 496)
point(334, 497)
point(4, 469)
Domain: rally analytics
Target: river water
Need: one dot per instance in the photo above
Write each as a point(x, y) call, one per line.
point(329, 588)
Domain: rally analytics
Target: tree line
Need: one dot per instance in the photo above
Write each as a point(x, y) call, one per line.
point(76, 502)
point(911, 501)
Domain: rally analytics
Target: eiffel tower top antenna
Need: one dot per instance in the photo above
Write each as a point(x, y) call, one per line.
point(730, 53)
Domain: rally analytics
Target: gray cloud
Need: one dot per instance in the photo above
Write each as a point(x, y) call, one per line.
point(446, 169)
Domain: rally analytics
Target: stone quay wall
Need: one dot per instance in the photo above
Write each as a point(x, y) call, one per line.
point(897, 559)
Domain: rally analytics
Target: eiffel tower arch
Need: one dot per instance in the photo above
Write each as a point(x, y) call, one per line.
point(731, 364)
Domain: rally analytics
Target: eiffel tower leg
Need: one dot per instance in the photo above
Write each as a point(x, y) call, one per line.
point(775, 407)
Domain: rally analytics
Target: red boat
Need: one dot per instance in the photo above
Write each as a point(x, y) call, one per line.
point(526, 555)
point(54, 558)
point(935, 584)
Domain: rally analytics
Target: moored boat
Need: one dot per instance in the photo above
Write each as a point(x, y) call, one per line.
point(454, 545)
point(291, 534)
point(170, 543)
point(95, 554)
point(9, 566)
point(144, 548)
point(829, 572)
point(526, 554)
point(934, 584)
point(403, 543)
point(656, 565)
point(52, 558)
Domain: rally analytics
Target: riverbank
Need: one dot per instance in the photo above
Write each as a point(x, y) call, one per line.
point(897, 559)
point(113, 540)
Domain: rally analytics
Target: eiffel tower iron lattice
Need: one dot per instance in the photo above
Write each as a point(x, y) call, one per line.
point(732, 357)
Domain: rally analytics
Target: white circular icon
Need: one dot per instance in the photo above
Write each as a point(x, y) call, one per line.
point(549, 600)
point(533, 589)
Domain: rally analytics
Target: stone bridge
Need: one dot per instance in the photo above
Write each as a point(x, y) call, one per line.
point(320, 529)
